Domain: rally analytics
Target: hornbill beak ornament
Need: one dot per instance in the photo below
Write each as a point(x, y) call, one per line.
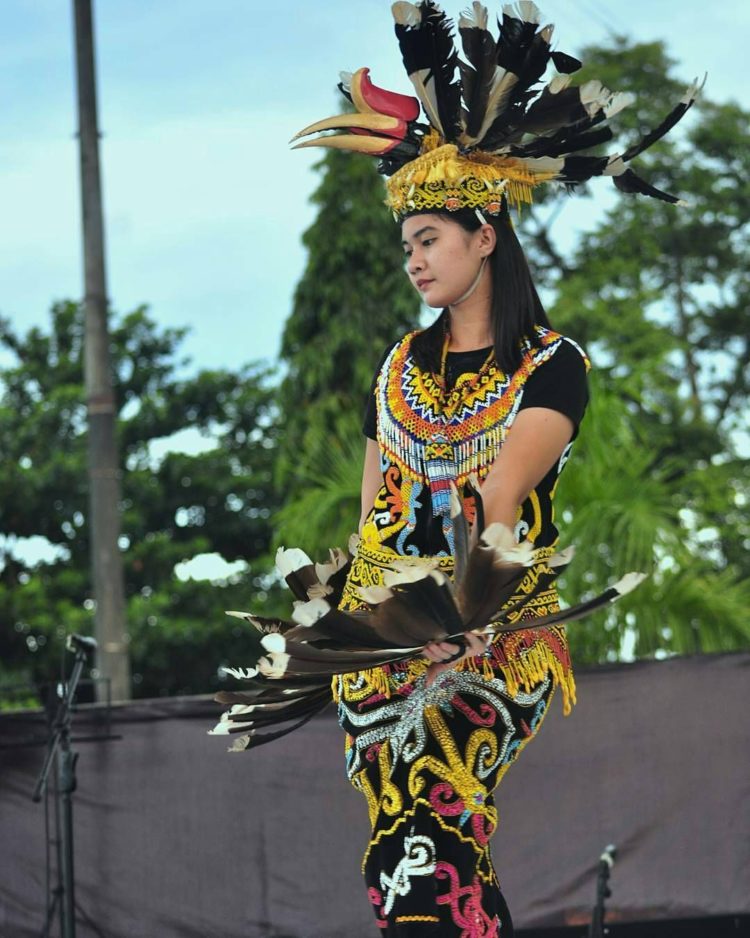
point(382, 121)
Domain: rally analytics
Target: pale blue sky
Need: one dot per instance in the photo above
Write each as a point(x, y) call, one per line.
point(205, 204)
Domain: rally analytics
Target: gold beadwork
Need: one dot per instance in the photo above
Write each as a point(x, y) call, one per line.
point(444, 179)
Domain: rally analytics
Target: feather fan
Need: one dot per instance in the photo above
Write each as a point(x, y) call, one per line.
point(290, 664)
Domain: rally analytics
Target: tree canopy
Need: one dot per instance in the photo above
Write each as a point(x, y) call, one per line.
point(175, 506)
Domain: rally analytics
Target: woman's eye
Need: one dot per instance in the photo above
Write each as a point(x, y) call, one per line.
point(427, 242)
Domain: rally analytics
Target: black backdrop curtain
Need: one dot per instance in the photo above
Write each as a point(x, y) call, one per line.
point(176, 838)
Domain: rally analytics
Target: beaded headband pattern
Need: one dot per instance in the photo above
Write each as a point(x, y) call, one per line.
point(483, 130)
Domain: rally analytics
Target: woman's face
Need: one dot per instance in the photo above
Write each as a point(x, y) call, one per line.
point(442, 258)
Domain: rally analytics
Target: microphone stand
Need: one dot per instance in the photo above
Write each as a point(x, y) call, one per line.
point(58, 744)
point(606, 862)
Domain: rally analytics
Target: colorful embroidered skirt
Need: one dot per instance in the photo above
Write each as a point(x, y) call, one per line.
point(427, 760)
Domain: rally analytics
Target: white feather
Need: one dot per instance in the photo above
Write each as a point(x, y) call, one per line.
point(324, 571)
point(615, 166)
point(224, 725)
point(242, 674)
point(500, 538)
point(274, 642)
point(594, 96)
point(544, 164)
point(309, 613)
point(287, 561)
point(407, 572)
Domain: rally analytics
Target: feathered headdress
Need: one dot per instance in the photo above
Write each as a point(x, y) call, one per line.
point(492, 130)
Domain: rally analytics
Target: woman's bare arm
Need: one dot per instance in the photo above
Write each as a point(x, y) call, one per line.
point(534, 444)
point(371, 479)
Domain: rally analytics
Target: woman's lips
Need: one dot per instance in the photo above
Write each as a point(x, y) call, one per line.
point(421, 284)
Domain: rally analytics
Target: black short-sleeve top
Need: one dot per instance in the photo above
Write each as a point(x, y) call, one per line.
point(432, 430)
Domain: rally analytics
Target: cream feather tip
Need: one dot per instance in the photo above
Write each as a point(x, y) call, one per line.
point(287, 561)
point(476, 18)
point(406, 14)
point(373, 595)
point(274, 666)
point(562, 558)
point(499, 538)
point(324, 571)
point(629, 582)
point(240, 743)
point(524, 10)
point(406, 572)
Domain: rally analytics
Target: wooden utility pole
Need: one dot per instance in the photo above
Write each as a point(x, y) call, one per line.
point(113, 659)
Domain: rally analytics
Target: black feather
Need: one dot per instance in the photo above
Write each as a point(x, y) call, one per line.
point(582, 168)
point(477, 76)
point(630, 182)
point(666, 125)
point(429, 47)
point(565, 64)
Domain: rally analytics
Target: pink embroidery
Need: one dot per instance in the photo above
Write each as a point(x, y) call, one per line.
point(465, 904)
point(376, 898)
point(440, 799)
point(482, 828)
point(485, 716)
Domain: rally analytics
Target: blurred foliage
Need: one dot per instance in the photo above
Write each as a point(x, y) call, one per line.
point(174, 506)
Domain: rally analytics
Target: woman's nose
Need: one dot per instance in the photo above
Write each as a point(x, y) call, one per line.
point(415, 263)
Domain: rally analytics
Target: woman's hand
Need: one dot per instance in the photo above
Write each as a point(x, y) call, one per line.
point(439, 652)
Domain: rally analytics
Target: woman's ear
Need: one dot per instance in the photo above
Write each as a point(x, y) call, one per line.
point(487, 240)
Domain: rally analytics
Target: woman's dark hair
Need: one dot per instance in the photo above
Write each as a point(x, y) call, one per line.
point(516, 307)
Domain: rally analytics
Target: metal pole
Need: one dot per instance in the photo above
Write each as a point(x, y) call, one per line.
point(104, 472)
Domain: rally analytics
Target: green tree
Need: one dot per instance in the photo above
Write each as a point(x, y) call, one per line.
point(175, 507)
point(352, 301)
point(658, 294)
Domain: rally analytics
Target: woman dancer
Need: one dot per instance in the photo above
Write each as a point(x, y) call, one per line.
point(489, 392)
point(429, 742)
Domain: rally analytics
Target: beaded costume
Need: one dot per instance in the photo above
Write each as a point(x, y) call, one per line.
point(427, 759)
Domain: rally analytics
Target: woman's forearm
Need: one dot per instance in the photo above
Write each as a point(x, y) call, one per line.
point(500, 505)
